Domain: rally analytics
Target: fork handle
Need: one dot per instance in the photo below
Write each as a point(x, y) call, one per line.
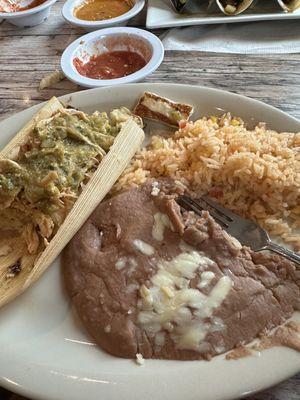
point(291, 255)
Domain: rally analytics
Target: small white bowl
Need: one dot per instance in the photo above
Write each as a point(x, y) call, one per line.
point(113, 39)
point(122, 20)
point(32, 17)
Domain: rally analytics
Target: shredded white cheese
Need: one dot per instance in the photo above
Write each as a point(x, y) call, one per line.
point(128, 262)
point(206, 278)
point(121, 263)
point(143, 247)
point(140, 359)
point(161, 221)
point(155, 189)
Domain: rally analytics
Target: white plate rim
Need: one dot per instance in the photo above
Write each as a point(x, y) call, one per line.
point(228, 392)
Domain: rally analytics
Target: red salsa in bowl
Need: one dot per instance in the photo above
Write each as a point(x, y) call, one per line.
point(7, 6)
point(110, 65)
point(112, 56)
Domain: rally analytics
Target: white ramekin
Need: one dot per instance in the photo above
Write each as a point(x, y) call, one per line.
point(33, 16)
point(70, 5)
point(98, 42)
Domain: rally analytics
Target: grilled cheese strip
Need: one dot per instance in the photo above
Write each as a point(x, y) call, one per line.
point(161, 109)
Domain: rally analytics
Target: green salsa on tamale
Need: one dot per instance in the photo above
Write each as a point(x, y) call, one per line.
point(40, 185)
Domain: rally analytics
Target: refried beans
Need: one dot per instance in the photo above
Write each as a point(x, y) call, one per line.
point(148, 278)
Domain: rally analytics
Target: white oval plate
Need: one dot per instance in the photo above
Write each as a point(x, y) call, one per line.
point(46, 354)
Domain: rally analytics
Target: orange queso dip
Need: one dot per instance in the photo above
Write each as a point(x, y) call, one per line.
point(98, 10)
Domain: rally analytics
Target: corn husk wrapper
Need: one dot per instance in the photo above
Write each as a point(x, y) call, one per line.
point(289, 6)
point(243, 6)
point(110, 168)
point(10, 288)
point(51, 79)
point(12, 148)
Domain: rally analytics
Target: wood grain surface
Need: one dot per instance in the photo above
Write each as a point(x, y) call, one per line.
point(27, 55)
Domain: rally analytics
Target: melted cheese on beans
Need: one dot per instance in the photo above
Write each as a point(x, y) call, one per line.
point(170, 304)
point(161, 221)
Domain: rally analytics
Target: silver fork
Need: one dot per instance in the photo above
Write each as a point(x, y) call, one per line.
point(247, 232)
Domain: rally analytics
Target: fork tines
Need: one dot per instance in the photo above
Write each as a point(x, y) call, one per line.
point(205, 203)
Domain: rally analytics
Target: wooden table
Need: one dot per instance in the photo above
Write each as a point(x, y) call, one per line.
point(27, 55)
